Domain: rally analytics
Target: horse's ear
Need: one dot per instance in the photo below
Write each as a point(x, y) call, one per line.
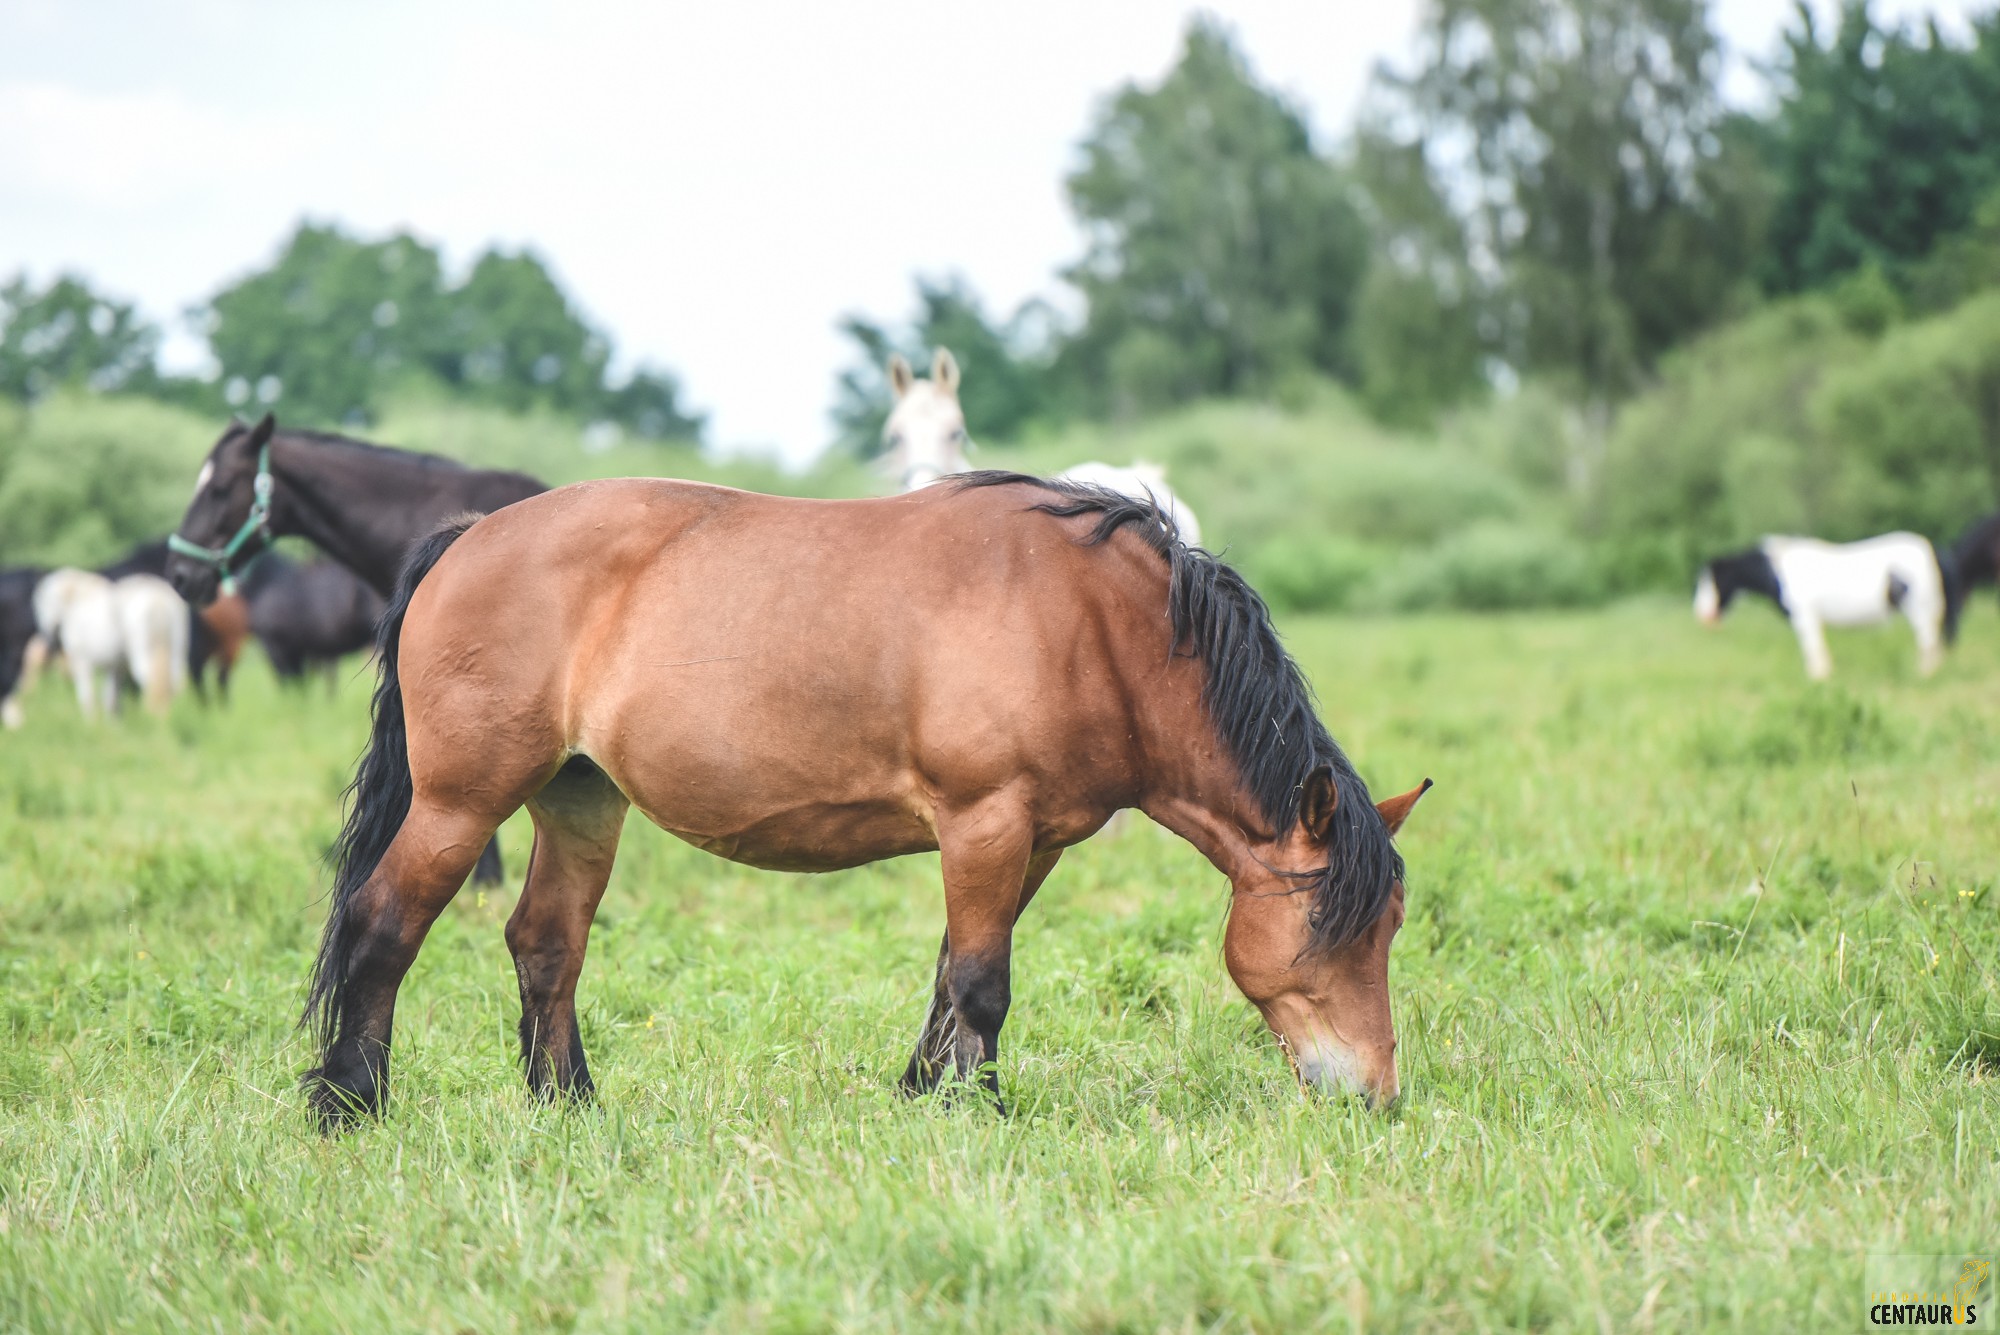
point(901, 377)
point(260, 435)
point(944, 371)
point(1395, 810)
point(1318, 800)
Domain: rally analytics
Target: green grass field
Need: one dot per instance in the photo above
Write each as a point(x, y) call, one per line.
point(1697, 1001)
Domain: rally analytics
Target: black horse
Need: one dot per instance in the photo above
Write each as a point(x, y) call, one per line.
point(1973, 560)
point(17, 622)
point(309, 616)
point(361, 504)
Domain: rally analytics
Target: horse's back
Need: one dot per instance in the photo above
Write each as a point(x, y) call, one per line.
point(1857, 583)
point(779, 679)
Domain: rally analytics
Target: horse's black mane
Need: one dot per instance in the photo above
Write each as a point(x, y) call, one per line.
point(414, 458)
point(1257, 698)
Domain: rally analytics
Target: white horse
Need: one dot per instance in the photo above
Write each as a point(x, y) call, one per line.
point(926, 440)
point(1142, 481)
point(135, 628)
point(1820, 584)
point(925, 433)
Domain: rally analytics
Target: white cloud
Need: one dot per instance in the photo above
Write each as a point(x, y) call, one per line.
point(124, 151)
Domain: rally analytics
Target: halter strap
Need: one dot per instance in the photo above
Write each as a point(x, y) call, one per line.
point(258, 521)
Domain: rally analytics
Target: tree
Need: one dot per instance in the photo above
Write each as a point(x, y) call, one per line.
point(337, 322)
point(1607, 200)
point(66, 335)
point(511, 337)
point(1882, 144)
point(1223, 252)
point(1418, 341)
point(330, 324)
point(1005, 379)
point(648, 404)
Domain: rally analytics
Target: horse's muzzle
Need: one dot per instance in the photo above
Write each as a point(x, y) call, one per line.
point(195, 583)
point(1328, 1068)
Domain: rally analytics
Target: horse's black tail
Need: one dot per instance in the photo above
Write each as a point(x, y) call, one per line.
point(379, 797)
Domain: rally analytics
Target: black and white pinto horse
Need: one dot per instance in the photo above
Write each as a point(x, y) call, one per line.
point(1819, 584)
point(361, 504)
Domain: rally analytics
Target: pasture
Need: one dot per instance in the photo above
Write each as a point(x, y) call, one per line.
point(1698, 999)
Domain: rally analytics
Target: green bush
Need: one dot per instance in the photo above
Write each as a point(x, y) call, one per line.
point(1308, 572)
point(1490, 567)
point(84, 478)
point(1919, 423)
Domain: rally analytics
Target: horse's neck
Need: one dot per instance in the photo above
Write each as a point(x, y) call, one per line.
point(335, 501)
point(1196, 789)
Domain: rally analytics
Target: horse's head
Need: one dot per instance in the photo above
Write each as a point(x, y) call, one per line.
point(224, 526)
point(1328, 1004)
point(925, 433)
point(1723, 578)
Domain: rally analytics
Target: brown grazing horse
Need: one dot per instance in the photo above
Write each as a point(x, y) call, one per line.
point(990, 667)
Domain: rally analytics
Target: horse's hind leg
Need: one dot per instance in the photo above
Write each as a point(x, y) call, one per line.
point(578, 817)
point(962, 1027)
point(377, 938)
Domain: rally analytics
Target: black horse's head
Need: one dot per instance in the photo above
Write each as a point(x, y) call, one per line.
point(1726, 576)
point(223, 530)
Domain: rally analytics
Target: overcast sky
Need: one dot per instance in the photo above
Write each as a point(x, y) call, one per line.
point(716, 183)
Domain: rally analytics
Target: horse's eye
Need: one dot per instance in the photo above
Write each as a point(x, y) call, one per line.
point(895, 440)
point(958, 435)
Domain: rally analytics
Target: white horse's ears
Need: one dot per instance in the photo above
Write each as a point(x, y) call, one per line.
point(901, 377)
point(944, 371)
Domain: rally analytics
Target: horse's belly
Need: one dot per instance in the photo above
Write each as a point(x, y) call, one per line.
point(813, 837)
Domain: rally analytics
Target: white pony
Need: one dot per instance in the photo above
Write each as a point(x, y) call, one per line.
point(1142, 481)
point(926, 440)
point(136, 628)
point(1820, 584)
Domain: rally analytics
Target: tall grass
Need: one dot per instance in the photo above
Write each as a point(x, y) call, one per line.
point(1697, 1000)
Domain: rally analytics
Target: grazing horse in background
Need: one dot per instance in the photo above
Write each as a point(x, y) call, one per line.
point(363, 505)
point(925, 434)
point(1974, 560)
point(135, 627)
point(1142, 482)
point(1819, 584)
point(988, 669)
point(215, 632)
point(926, 440)
point(17, 632)
point(309, 616)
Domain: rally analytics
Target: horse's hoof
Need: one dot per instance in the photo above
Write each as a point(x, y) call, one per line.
point(336, 1108)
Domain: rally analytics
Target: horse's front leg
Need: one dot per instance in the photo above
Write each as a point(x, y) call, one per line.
point(990, 877)
point(1812, 644)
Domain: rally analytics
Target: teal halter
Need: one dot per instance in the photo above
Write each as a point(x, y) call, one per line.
point(258, 521)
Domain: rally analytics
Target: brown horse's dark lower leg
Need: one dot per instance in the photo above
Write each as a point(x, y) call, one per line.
point(970, 995)
point(383, 928)
point(578, 817)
